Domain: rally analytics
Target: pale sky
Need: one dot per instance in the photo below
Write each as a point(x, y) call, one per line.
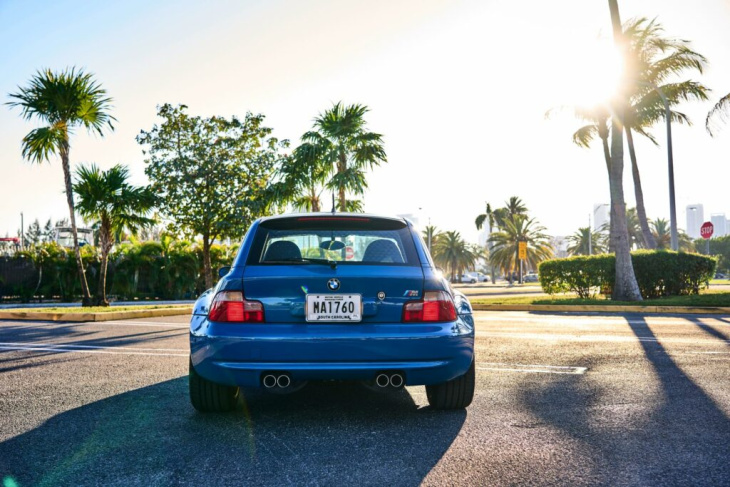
point(459, 90)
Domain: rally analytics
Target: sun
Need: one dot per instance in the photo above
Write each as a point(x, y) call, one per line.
point(596, 74)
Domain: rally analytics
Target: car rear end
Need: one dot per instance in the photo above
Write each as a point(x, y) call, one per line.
point(322, 297)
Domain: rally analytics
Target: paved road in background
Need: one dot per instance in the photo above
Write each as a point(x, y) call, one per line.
point(561, 400)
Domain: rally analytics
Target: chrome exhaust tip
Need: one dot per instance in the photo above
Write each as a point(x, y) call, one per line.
point(396, 380)
point(283, 381)
point(269, 381)
point(382, 380)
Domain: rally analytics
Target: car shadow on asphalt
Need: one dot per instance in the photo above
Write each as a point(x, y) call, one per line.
point(709, 329)
point(682, 440)
point(325, 434)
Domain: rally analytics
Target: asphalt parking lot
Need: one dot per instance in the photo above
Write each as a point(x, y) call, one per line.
point(561, 400)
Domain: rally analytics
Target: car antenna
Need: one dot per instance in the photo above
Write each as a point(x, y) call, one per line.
point(333, 202)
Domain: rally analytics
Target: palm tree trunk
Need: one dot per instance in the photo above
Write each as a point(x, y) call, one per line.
point(648, 237)
point(207, 267)
point(607, 157)
point(625, 286)
point(341, 167)
point(105, 242)
point(86, 297)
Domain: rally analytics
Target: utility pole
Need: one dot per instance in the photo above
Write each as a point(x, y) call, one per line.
point(22, 232)
point(590, 235)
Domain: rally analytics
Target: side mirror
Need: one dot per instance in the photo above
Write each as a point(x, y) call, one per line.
point(223, 271)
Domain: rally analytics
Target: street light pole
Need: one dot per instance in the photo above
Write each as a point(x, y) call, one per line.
point(670, 162)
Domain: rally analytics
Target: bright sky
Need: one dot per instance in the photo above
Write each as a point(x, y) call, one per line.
point(458, 88)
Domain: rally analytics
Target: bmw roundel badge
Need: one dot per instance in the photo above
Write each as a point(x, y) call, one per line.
point(333, 284)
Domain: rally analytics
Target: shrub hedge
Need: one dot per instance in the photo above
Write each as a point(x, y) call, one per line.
point(170, 269)
point(659, 273)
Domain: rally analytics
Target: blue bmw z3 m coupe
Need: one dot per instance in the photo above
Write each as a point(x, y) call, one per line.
point(331, 297)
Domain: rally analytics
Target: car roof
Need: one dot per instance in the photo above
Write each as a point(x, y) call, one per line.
point(321, 214)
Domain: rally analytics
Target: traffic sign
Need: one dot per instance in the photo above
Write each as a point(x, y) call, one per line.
point(522, 250)
point(706, 230)
point(349, 253)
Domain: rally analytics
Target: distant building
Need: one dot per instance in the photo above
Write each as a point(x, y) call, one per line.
point(720, 223)
point(695, 219)
point(560, 246)
point(483, 237)
point(601, 216)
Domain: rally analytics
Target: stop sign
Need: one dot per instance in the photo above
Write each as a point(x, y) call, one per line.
point(706, 230)
point(349, 253)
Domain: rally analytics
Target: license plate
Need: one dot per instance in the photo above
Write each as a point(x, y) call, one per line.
point(334, 307)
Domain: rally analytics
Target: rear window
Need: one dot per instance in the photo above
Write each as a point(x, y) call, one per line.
point(345, 240)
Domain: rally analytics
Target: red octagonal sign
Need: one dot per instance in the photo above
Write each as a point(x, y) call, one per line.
point(706, 230)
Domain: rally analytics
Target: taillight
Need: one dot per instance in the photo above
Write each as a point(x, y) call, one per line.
point(435, 306)
point(231, 306)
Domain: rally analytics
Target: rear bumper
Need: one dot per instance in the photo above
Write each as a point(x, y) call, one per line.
point(239, 354)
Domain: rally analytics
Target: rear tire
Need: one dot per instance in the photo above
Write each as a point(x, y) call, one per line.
point(209, 397)
point(454, 394)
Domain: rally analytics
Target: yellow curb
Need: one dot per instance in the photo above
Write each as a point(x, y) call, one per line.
point(603, 309)
point(83, 317)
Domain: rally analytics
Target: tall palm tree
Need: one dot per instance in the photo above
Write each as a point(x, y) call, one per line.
point(451, 252)
point(63, 101)
point(107, 198)
point(654, 60)
point(625, 287)
point(341, 147)
point(431, 234)
point(721, 110)
point(520, 228)
point(513, 206)
point(579, 242)
point(490, 218)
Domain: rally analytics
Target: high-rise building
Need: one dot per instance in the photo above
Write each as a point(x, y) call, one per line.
point(720, 223)
point(695, 219)
point(483, 237)
point(601, 216)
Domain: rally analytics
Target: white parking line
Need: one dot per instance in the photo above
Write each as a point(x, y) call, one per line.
point(70, 347)
point(143, 323)
point(534, 369)
point(595, 320)
point(597, 338)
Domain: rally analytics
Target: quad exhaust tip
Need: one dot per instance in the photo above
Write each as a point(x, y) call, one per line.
point(283, 381)
point(269, 381)
point(396, 380)
point(382, 380)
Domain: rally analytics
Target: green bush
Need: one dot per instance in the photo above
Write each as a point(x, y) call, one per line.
point(658, 273)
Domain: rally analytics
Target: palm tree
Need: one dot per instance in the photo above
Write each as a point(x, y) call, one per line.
point(634, 227)
point(513, 206)
point(520, 228)
point(62, 102)
point(653, 60)
point(341, 148)
point(451, 252)
point(107, 198)
point(490, 218)
point(431, 235)
point(579, 242)
point(720, 110)
point(625, 286)
point(662, 234)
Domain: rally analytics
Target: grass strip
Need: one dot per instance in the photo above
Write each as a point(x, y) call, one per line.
point(93, 309)
point(714, 299)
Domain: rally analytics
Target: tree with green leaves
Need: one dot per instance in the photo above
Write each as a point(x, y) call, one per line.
point(63, 101)
point(115, 206)
point(453, 254)
point(655, 60)
point(211, 174)
point(579, 242)
point(519, 228)
point(431, 235)
point(625, 287)
point(720, 111)
point(337, 152)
